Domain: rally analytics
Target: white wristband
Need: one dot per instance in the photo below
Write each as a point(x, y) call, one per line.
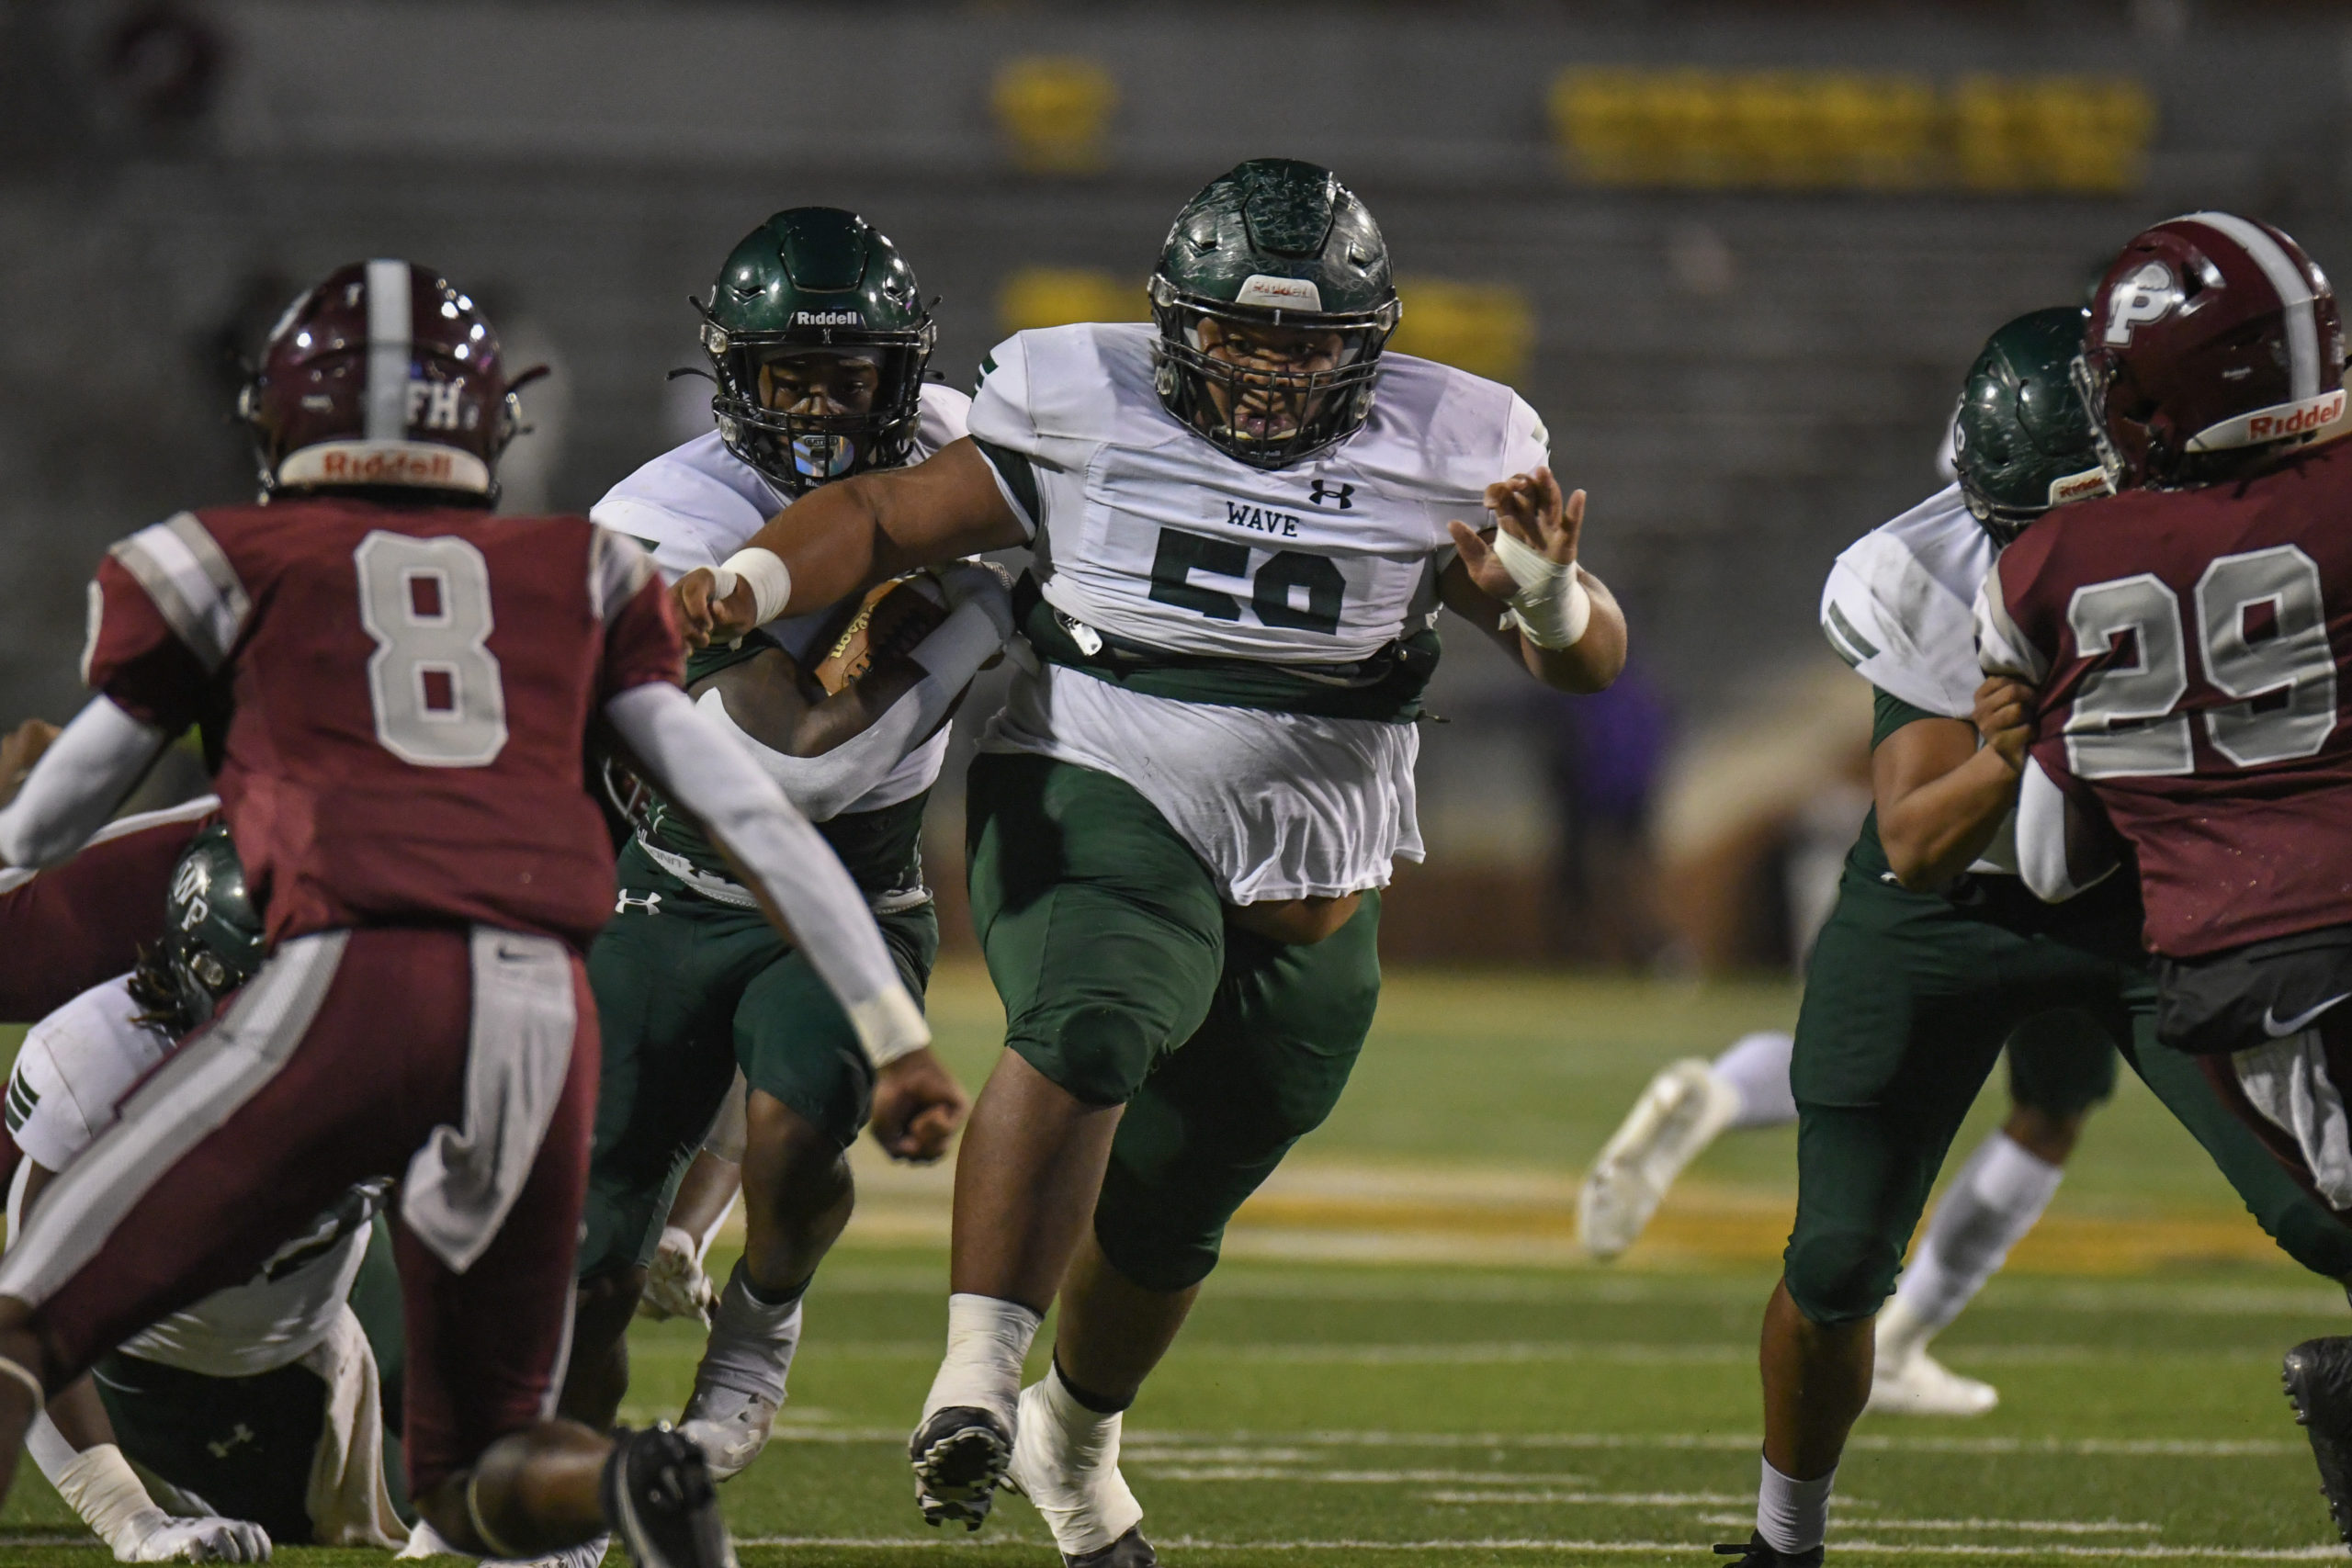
point(890, 1026)
point(771, 582)
point(1553, 607)
point(99, 1486)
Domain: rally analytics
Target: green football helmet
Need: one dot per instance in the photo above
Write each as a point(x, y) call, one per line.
point(816, 281)
point(213, 936)
point(1272, 244)
point(2022, 439)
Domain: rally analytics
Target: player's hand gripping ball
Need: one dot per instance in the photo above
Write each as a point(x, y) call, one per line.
point(887, 624)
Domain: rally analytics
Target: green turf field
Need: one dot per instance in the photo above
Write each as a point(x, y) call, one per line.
point(1402, 1362)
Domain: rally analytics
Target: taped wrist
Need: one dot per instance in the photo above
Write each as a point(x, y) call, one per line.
point(1553, 607)
point(101, 1486)
point(770, 578)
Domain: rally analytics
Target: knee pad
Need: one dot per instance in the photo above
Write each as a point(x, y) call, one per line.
point(1137, 1238)
point(1842, 1276)
point(1098, 1053)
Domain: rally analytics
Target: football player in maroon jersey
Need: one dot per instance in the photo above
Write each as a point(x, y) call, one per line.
point(412, 684)
point(2190, 640)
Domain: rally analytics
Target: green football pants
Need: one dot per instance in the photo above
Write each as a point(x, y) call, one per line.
point(1123, 985)
point(1908, 1000)
point(687, 990)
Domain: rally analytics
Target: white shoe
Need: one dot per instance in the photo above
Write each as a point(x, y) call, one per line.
point(729, 1425)
point(1684, 1109)
point(1066, 1461)
point(424, 1542)
point(1919, 1384)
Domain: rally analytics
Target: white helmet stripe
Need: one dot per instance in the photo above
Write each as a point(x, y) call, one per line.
point(388, 346)
point(2294, 291)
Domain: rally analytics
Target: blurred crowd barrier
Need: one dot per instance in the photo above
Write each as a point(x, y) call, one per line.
point(1829, 129)
point(1736, 257)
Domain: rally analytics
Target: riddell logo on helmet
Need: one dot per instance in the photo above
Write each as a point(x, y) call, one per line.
point(385, 468)
point(2079, 487)
point(2297, 422)
point(416, 463)
point(2280, 422)
point(826, 319)
point(1280, 293)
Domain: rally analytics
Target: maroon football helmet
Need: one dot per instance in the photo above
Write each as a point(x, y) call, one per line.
point(2210, 335)
point(383, 375)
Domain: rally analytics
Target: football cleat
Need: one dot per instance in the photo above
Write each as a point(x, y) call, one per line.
point(1130, 1550)
point(587, 1554)
point(1076, 1487)
point(658, 1498)
point(1684, 1109)
point(1919, 1384)
point(960, 1455)
point(2318, 1375)
point(729, 1425)
point(1757, 1554)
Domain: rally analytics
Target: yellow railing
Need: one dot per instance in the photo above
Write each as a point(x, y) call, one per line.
point(1792, 129)
point(1053, 113)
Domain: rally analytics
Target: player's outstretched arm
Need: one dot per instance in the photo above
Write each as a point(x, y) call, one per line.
point(81, 779)
point(792, 872)
point(1522, 585)
point(826, 755)
point(845, 538)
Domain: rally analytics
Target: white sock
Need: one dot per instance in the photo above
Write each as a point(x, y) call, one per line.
point(1793, 1516)
point(1994, 1201)
point(1757, 1067)
point(988, 1339)
point(751, 1343)
point(1071, 1468)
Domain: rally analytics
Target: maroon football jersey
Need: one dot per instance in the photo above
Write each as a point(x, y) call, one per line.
point(2197, 644)
point(413, 690)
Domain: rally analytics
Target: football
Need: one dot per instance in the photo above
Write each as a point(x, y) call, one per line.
point(892, 619)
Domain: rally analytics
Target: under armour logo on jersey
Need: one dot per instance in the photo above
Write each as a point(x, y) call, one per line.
point(1322, 491)
point(2145, 297)
point(651, 904)
point(238, 1435)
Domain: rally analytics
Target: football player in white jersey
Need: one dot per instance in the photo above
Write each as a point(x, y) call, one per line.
point(1894, 608)
point(1936, 954)
point(1244, 519)
point(261, 1401)
point(818, 338)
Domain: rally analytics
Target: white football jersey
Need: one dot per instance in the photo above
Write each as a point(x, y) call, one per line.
point(74, 1067)
point(697, 504)
point(1153, 535)
point(1899, 607)
point(1143, 530)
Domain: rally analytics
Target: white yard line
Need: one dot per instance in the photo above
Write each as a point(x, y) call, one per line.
point(1159, 1470)
point(1170, 1445)
point(1526, 1352)
point(2134, 1554)
point(1604, 1499)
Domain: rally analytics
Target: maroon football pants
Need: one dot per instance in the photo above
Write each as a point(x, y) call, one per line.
point(333, 1066)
